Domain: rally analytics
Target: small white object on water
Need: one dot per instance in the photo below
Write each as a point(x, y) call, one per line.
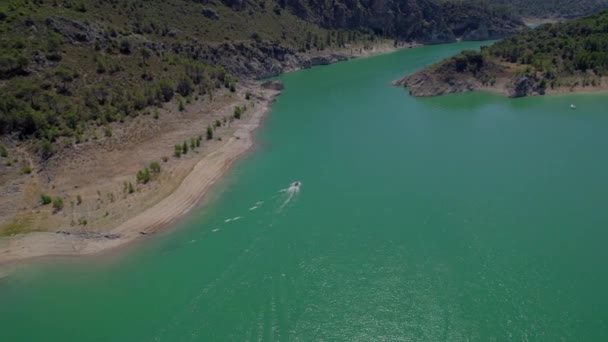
point(572, 106)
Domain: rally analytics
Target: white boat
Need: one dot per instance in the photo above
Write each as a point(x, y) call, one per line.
point(572, 106)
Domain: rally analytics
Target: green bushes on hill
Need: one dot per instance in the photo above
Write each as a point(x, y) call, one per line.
point(577, 45)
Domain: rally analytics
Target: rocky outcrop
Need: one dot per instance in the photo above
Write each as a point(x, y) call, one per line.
point(74, 31)
point(210, 13)
point(426, 83)
point(525, 85)
point(252, 60)
point(462, 73)
point(470, 72)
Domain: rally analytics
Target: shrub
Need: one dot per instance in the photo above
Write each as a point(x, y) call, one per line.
point(178, 151)
point(248, 96)
point(166, 90)
point(209, 133)
point(237, 112)
point(181, 106)
point(45, 199)
point(125, 47)
point(184, 148)
point(3, 151)
point(58, 203)
point(143, 176)
point(46, 149)
point(131, 188)
point(192, 143)
point(218, 123)
point(185, 86)
point(81, 7)
point(256, 37)
point(107, 131)
point(155, 167)
point(78, 200)
point(26, 170)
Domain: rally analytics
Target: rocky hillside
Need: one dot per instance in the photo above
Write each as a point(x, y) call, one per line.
point(68, 66)
point(551, 58)
point(549, 8)
point(424, 21)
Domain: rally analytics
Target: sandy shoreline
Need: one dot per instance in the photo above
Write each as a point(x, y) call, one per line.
point(193, 187)
point(174, 206)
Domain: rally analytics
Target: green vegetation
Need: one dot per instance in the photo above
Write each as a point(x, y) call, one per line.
point(130, 188)
point(237, 112)
point(26, 170)
point(209, 133)
point(143, 176)
point(3, 151)
point(78, 200)
point(84, 65)
point(177, 153)
point(546, 9)
point(45, 199)
point(154, 167)
point(48, 99)
point(533, 61)
point(553, 49)
point(552, 55)
point(185, 148)
point(58, 203)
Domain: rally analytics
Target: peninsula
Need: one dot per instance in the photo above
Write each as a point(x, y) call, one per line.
point(570, 56)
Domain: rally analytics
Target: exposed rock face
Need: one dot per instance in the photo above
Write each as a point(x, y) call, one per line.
point(210, 13)
point(428, 84)
point(75, 31)
point(525, 85)
point(249, 60)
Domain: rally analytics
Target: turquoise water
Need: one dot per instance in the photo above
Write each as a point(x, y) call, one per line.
point(464, 217)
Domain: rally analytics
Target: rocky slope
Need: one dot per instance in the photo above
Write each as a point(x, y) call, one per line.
point(424, 21)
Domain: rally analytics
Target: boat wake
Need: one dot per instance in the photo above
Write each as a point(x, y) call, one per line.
point(294, 189)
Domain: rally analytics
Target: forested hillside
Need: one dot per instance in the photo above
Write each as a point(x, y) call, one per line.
point(551, 8)
point(67, 64)
point(568, 54)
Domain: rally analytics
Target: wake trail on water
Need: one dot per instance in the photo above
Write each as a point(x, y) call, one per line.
point(289, 194)
point(291, 191)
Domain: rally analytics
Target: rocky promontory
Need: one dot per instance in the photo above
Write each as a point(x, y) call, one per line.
point(470, 72)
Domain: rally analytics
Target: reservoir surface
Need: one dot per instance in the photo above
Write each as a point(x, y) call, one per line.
point(456, 218)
